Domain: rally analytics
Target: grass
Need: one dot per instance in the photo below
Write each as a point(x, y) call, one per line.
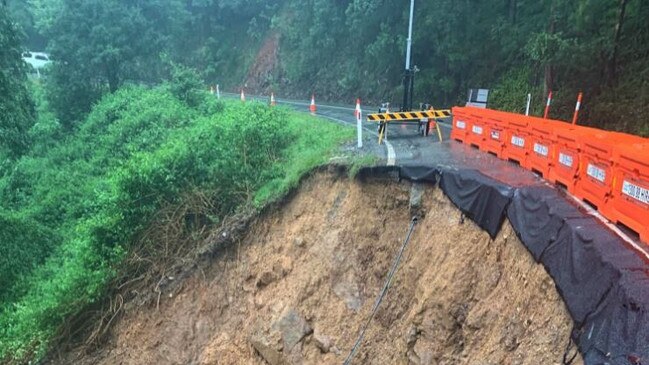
point(317, 142)
point(361, 161)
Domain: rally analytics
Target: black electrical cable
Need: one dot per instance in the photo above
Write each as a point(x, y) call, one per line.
point(379, 299)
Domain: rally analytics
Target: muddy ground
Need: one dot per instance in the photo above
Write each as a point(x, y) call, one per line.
point(300, 285)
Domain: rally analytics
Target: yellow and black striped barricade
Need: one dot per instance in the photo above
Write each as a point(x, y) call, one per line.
point(421, 118)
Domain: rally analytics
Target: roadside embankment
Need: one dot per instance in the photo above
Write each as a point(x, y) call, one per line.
point(298, 286)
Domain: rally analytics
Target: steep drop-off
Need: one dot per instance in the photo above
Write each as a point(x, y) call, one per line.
point(299, 286)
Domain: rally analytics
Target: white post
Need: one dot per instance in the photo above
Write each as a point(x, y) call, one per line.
point(409, 47)
point(218, 92)
point(359, 128)
point(529, 101)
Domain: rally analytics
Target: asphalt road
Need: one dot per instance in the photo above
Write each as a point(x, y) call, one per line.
point(404, 145)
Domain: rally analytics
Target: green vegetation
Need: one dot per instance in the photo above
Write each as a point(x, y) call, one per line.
point(355, 48)
point(120, 130)
point(16, 109)
point(361, 161)
point(71, 211)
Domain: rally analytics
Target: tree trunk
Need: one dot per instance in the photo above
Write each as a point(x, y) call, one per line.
point(549, 70)
point(513, 4)
point(548, 79)
point(112, 76)
point(612, 64)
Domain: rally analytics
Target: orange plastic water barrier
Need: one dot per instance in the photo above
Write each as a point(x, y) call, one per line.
point(543, 142)
point(597, 155)
point(494, 142)
point(460, 124)
point(630, 196)
point(564, 169)
point(476, 133)
point(609, 170)
point(595, 181)
point(517, 141)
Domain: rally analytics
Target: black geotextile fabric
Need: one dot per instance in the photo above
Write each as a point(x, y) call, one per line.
point(537, 214)
point(617, 332)
point(603, 282)
point(578, 267)
point(413, 173)
point(420, 173)
point(481, 198)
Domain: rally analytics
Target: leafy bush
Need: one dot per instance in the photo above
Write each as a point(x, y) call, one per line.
point(24, 245)
point(73, 211)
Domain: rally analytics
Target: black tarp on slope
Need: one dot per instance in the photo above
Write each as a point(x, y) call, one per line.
point(413, 173)
point(578, 266)
point(603, 282)
point(420, 173)
point(481, 198)
point(618, 331)
point(537, 213)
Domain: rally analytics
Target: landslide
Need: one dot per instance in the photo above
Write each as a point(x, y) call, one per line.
point(298, 286)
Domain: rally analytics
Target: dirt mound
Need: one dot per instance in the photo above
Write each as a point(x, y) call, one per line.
point(300, 285)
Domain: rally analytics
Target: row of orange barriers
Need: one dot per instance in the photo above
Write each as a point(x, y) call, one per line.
point(608, 170)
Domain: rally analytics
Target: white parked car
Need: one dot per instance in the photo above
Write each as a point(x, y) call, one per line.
point(38, 60)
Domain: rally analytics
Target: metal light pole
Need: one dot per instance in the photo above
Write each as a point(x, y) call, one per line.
point(409, 47)
point(408, 79)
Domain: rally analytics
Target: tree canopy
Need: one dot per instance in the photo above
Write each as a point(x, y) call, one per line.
point(16, 109)
point(344, 49)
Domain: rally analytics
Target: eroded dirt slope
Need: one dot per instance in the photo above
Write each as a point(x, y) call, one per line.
point(297, 289)
point(261, 73)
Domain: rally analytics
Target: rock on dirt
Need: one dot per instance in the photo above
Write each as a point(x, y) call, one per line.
point(293, 328)
point(266, 278)
point(348, 292)
point(267, 352)
point(416, 195)
point(299, 242)
point(321, 341)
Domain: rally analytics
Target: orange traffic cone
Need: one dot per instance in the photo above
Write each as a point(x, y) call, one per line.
point(357, 111)
point(272, 99)
point(243, 96)
point(312, 107)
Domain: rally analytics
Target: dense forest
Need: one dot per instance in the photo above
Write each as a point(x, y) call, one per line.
point(120, 132)
point(355, 48)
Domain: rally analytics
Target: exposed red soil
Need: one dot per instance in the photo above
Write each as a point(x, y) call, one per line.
point(261, 73)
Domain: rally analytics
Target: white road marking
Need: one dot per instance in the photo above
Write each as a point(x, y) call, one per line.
point(392, 156)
